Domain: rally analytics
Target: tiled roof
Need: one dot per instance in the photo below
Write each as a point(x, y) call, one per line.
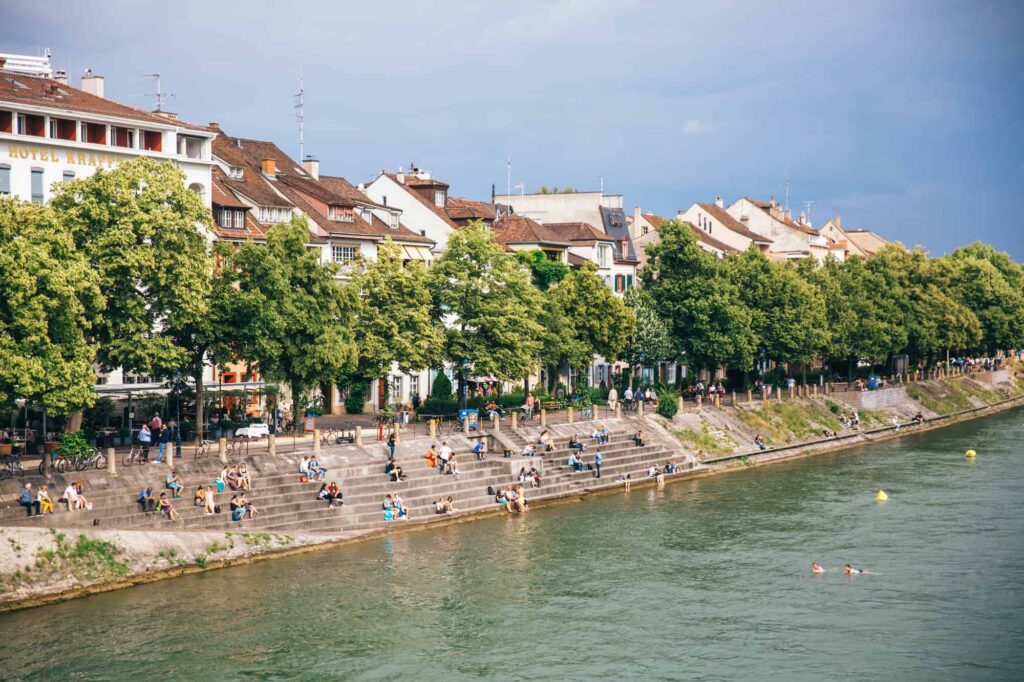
point(342, 187)
point(866, 240)
point(20, 88)
point(656, 221)
point(782, 219)
point(517, 229)
point(466, 209)
point(577, 261)
point(221, 195)
point(579, 232)
point(615, 226)
point(248, 155)
point(731, 223)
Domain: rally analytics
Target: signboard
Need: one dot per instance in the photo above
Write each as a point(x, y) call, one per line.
point(310, 424)
point(472, 415)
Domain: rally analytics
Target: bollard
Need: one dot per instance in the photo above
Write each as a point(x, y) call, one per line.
point(734, 398)
point(640, 408)
point(496, 423)
point(543, 417)
point(170, 455)
point(778, 392)
point(718, 400)
point(431, 429)
point(750, 396)
point(358, 438)
point(111, 461)
point(618, 411)
point(465, 425)
point(396, 429)
point(569, 412)
point(679, 404)
point(271, 445)
point(222, 450)
point(515, 421)
point(700, 400)
point(316, 440)
point(815, 390)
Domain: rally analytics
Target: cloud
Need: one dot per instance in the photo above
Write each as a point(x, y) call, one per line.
point(696, 126)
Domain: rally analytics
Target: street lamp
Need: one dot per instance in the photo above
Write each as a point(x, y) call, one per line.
point(22, 404)
point(177, 421)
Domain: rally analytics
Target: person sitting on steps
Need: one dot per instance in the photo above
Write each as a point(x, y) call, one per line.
point(164, 505)
point(146, 500)
point(638, 439)
point(546, 441)
point(393, 470)
point(575, 444)
point(174, 484)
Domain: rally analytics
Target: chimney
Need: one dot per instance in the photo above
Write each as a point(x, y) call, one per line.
point(636, 216)
point(838, 221)
point(269, 167)
point(401, 177)
point(679, 214)
point(60, 75)
point(312, 167)
point(803, 218)
point(3, 62)
point(92, 84)
point(771, 201)
point(719, 203)
point(214, 126)
point(786, 214)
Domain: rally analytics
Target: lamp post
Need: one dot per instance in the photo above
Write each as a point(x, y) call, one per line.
point(22, 404)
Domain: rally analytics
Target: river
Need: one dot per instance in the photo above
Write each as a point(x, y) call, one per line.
point(707, 579)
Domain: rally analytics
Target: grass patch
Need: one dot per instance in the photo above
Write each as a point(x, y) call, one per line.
point(84, 559)
point(704, 440)
point(786, 421)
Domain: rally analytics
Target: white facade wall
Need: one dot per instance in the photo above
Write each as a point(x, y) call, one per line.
point(784, 238)
point(698, 217)
point(415, 215)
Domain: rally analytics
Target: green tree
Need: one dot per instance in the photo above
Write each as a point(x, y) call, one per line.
point(49, 300)
point(650, 342)
point(709, 323)
point(442, 387)
point(394, 315)
point(545, 272)
point(488, 305)
point(583, 319)
point(289, 313)
point(139, 228)
point(787, 312)
point(983, 288)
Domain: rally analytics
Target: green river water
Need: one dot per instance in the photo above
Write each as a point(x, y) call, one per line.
point(707, 579)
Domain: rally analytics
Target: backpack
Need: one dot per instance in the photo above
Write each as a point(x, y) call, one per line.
point(490, 490)
point(216, 509)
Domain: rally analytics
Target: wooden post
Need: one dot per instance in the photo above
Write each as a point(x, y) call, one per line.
point(316, 440)
point(111, 462)
point(569, 411)
point(543, 417)
point(515, 421)
point(271, 445)
point(358, 439)
point(222, 450)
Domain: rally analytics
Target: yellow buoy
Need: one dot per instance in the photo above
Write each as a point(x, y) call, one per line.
point(881, 496)
point(971, 453)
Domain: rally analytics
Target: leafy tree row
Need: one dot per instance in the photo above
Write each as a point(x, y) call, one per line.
point(731, 311)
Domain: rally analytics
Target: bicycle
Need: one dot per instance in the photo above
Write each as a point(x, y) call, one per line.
point(133, 456)
point(203, 449)
point(236, 446)
point(92, 458)
point(58, 463)
point(11, 467)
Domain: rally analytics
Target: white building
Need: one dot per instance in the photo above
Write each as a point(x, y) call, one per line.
point(51, 132)
point(715, 222)
point(791, 239)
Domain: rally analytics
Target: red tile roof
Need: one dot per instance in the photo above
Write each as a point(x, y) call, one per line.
point(579, 232)
point(517, 229)
point(20, 88)
point(708, 239)
point(466, 210)
point(723, 217)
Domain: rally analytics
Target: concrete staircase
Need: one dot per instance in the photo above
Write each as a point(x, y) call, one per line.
point(287, 506)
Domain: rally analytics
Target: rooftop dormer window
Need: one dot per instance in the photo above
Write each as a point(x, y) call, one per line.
point(236, 172)
point(394, 221)
point(340, 214)
point(439, 198)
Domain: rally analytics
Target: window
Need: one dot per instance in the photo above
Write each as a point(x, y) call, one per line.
point(192, 147)
point(68, 176)
point(29, 124)
point(439, 198)
point(603, 256)
point(619, 283)
point(96, 133)
point(414, 385)
point(643, 229)
point(629, 281)
point(5, 180)
point(62, 129)
point(239, 219)
point(343, 254)
point(394, 221)
point(37, 185)
point(340, 214)
point(122, 137)
point(236, 172)
point(274, 214)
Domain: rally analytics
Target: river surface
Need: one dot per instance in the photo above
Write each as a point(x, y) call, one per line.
point(707, 579)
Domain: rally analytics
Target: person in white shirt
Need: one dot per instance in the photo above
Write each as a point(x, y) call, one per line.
point(444, 454)
point(628, 394)
point(71, 496)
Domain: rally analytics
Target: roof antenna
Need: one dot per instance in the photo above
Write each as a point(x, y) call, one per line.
point(807, 214)
point(160, 95)
point(602, 185)
point(300, 116)
point(787, 192)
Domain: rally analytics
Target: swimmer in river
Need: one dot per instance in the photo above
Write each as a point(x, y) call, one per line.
point(850, 570)
point(816, 567)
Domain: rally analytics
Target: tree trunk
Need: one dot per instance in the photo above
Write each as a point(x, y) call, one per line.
point(200, 406)
point(74, 422)
point(526, 386)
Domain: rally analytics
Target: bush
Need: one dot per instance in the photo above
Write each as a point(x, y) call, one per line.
point(356, 399)
point(439, 406)
point(667, 407)
point(73, 445)
point(442, 388)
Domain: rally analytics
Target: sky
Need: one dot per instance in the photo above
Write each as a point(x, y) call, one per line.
point(907, 118)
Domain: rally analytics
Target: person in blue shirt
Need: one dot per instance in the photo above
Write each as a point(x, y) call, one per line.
point(597, 464)
point(27, 499)
point(479, 449)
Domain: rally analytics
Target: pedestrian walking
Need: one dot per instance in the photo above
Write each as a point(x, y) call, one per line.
point(598, 458)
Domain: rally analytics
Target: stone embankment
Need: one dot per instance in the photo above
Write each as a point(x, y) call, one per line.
point(114, 544)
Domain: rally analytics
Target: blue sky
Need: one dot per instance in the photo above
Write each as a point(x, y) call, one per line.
point(907, 118)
